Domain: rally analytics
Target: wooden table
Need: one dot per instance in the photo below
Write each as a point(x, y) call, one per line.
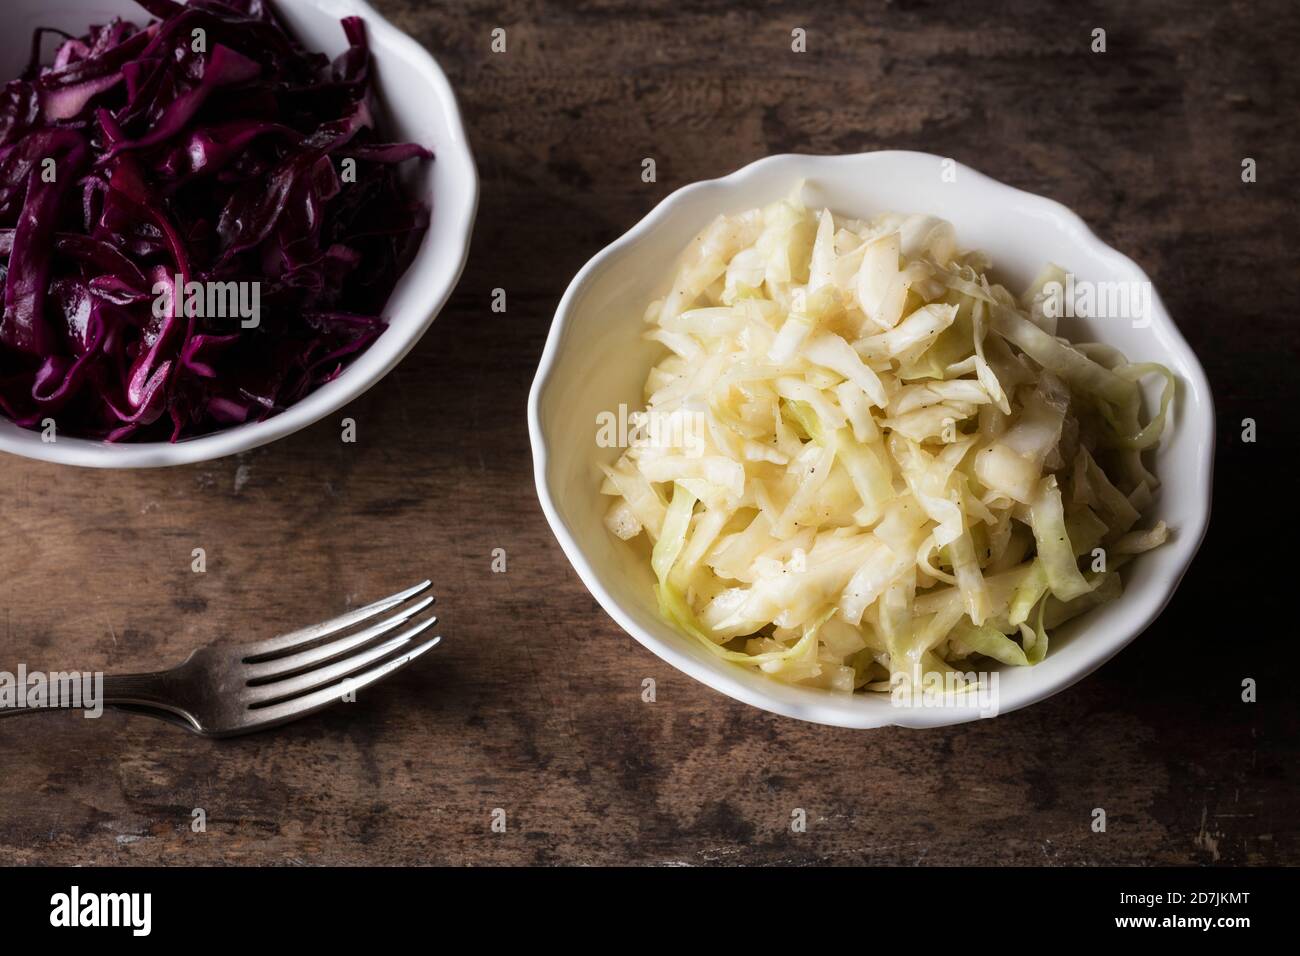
point(533, 704)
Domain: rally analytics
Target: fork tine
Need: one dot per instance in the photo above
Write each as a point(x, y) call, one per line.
point(331, 673)
point(316, 631)
point(285, 666)
point(318, 700)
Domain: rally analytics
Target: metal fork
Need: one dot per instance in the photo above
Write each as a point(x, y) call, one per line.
point(224, 691)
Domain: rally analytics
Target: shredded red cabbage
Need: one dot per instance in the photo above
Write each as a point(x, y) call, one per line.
point(140, 158)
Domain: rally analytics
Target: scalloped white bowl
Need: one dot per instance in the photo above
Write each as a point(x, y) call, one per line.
point(416, 103)
point(595, 359)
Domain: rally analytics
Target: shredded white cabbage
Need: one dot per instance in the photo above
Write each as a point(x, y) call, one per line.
point(866, 459)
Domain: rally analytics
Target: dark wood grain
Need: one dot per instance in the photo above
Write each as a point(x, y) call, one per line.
point(533, 703)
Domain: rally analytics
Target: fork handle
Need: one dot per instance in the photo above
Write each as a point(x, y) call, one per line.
point(155, 689)
point(152, 691)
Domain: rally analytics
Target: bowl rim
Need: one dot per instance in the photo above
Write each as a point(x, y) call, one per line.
point(459, 208)
point(1189, 539)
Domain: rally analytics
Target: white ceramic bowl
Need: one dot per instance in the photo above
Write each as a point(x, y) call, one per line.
point(417, 104)
point(595, 359)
